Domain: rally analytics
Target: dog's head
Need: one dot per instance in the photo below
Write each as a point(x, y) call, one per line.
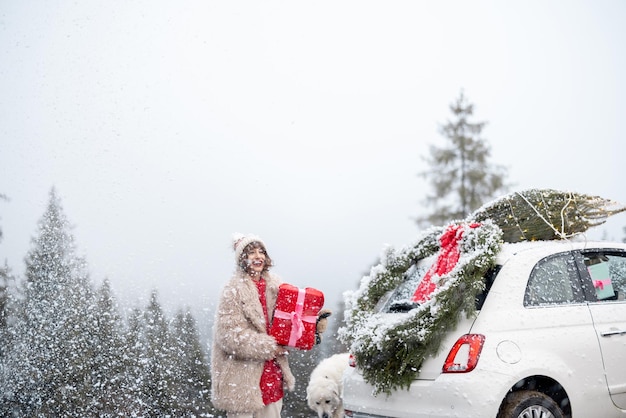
point(323, 397)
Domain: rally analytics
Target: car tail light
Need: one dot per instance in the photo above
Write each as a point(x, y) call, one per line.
point(351, 360)
point(464, 355)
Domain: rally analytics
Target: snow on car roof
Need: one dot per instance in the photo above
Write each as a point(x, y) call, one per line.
point(510, 249)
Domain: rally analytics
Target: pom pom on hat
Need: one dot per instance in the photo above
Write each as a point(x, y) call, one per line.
point(241, 241)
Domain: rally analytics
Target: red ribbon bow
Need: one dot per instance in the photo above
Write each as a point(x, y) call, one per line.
point(446, 260)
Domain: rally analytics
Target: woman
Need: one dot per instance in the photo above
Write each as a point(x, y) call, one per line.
point(249, 370)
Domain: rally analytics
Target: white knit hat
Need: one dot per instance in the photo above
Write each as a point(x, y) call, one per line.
point(241, 241)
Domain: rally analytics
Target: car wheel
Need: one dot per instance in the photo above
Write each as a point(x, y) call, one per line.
point(529, 404)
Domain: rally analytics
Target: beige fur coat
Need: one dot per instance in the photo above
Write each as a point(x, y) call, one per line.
point(241, 345)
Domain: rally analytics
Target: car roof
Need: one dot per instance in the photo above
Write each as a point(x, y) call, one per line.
point(550, 247)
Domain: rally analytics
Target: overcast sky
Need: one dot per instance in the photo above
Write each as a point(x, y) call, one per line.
point(165, 127)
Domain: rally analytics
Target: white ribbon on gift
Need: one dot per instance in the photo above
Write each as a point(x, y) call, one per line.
point(296, 318)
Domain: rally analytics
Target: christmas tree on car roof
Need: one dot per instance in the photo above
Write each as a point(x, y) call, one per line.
point(390, 354)
point(546, 214)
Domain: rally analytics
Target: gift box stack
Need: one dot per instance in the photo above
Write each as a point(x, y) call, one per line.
point(295, 316)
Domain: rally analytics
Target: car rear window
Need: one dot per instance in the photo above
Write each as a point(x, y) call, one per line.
point(554, 281)
point(490, 277)
point(399, 300)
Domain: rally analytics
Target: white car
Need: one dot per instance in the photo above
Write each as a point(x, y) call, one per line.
point(549, 340)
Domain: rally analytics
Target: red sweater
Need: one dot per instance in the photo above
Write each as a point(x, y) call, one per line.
point(272, 377)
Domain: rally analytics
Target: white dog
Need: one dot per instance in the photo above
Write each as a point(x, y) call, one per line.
point(324, 394)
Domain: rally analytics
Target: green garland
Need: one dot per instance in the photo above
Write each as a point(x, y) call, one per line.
point(391, 348)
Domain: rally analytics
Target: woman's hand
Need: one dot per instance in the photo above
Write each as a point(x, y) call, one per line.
point(281, 351)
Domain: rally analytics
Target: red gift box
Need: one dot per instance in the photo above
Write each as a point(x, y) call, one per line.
point(295, 316)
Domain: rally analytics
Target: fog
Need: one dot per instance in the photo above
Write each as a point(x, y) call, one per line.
point(166, 127)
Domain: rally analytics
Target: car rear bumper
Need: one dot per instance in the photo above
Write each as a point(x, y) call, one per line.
point(450, 395)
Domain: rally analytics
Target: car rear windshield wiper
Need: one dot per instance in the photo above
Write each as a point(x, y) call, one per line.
point(403, 306)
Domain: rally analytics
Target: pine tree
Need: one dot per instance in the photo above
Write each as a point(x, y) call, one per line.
point(546, 214)
point(7, 301)
point(49, 364)
point(192, 374)
point(158, 387)
point(108, 368)
point(461, 176)
point(134, 403)
point(5, 336)
point(5, 277)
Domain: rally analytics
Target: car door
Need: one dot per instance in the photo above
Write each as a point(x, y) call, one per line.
point(605, 274)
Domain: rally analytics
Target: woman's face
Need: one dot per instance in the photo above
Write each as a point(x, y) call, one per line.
point(255, 260)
